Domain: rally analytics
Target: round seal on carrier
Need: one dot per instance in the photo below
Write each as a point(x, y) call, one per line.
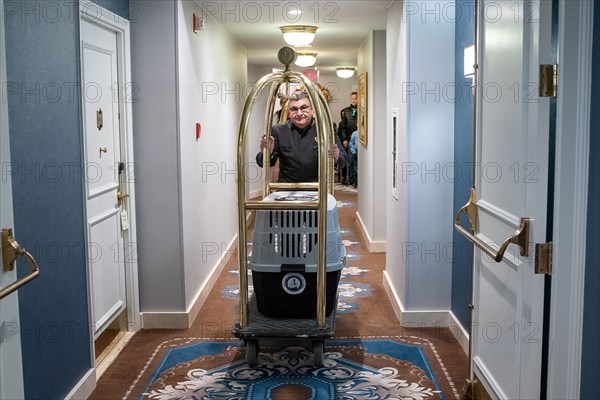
point(293, 283)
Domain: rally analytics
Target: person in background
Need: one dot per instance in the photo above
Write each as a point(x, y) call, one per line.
point(348, 124)
point(294, 144)
point(353, 150)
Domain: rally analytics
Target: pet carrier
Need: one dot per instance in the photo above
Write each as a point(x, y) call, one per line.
point(284, 257)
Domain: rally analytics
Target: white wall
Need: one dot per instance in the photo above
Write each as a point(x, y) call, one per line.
point(421, 65)
point(186, 188)
point(156, 149)
point(211, 82)
point(371, 158)
point(397, 228)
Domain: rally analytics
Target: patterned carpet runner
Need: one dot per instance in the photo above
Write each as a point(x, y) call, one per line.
point(370, 355)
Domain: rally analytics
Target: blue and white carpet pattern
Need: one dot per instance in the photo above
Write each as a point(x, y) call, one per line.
point(372, 369)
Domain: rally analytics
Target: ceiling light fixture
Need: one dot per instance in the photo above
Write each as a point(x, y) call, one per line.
point(345, 72)
point(294, 12)
point(298, 35)
point(306, 59)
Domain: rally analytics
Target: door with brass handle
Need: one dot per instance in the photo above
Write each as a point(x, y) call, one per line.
point(508, 209)
point(10, 251)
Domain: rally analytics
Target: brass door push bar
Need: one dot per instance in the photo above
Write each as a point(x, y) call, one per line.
point(10, 251)
point(520, 237)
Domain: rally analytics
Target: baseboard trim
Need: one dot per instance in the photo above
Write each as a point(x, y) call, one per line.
point(426, 319)
point(390, 291)
point(205, 290)
point(460, 333)
point(84, 388)
point(420, 319)
point(184, 320)
point(165, 320)
point(255, 194)
point(373, 246)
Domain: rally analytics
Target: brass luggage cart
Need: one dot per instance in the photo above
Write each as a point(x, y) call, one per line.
point(252, 325)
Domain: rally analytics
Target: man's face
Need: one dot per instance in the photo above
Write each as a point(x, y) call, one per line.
point(301, 113)
point(353, 100)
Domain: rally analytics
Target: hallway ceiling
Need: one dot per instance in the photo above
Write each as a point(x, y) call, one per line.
point(342, 27)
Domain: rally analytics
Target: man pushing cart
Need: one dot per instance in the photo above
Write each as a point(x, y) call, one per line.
point(295, 274)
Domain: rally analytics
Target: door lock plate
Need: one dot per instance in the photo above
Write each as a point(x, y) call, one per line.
point(9, 250)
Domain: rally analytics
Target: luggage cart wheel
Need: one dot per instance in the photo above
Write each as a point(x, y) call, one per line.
point(252, 351)
point(318, 350)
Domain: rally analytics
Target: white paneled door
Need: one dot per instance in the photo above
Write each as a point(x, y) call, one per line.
point(512, 182)
point(103, 174)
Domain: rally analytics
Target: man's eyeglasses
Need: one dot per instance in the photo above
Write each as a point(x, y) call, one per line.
point(301, 108)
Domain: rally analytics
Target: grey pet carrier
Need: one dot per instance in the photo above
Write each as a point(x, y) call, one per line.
point(284, 257)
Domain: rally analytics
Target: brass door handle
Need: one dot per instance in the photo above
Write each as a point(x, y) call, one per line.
point(520, 237)
point(121, 196)
point(10, 251)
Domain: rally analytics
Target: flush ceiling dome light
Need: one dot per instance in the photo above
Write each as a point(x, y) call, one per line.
point(345, 72)
point(306, 59)
point(298, 35)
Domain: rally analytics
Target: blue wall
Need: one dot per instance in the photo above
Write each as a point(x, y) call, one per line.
point(119, 7)
point(42, 45)
point(463, 155)
point(590, 360)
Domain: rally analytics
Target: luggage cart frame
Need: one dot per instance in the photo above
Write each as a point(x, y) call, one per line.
point(251, 325)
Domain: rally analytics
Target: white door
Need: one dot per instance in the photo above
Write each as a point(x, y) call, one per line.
point(512, 182)
point(102, 174)
point(11, 370)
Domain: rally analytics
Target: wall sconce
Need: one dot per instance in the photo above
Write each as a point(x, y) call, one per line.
point(306, 59)
point(345, 72)
point(298, 35)
point(469, 61)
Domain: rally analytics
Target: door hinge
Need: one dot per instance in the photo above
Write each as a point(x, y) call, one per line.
point(548, 80)
point(543, 258)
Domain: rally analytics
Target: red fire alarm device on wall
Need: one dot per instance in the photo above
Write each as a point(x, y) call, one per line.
point(197, 23)
point(198, 130)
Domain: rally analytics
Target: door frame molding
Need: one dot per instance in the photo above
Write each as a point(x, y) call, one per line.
point(570, 198)
point(95, 14)
point(13, 354)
